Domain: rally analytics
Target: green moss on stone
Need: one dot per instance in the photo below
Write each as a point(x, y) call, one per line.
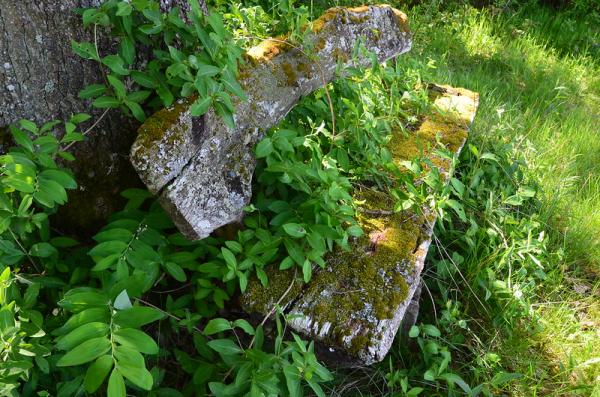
point(290, 73)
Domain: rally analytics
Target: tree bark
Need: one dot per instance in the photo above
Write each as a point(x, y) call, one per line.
point(40, 78)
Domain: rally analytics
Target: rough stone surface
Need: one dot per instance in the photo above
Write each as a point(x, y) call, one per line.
point(40, 78)
point(206, 183)
point(356, 304)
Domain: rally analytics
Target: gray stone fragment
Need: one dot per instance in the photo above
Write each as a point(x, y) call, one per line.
point(203, 170)
point(356, 304)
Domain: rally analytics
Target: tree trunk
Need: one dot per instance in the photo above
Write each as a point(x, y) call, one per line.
point(40, 78)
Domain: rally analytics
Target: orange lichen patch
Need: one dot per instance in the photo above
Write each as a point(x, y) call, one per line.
point(267, 50)
point(402, 18)
point(360, 9)
point(329, 15)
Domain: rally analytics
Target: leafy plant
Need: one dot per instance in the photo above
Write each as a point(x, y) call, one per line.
point(196, 60)
point(107, 333)
point(24, 345)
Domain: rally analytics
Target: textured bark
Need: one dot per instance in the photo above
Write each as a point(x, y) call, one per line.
point(40, 78)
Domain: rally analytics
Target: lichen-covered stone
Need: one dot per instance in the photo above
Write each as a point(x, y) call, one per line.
point(206, 184)
point(355, 305)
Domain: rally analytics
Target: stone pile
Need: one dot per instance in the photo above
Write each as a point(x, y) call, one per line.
point(200, 168)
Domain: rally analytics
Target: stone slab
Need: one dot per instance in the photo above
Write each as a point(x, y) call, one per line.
point(203, 169)
point(356, 304)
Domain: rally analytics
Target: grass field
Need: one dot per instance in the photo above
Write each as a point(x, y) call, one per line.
point(538, 73)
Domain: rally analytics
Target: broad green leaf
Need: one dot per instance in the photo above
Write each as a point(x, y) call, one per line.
point(245, 325)
point(116, 64)
point(80, 118)
point(229, 258)
point(114, 234)
point(137, 316)
point(355, 231)
point(116, 385)
point(175, 271)
point(42, 250)
point(264, 148)
point(143, 79)
point(92, 91)
point(97, 372)
point(431, 330)
point(53, 190)
point(139, 376)
point(106, 102)
point(85, 50)
point(79, 300)
point(243, 279)
point(138, 96)
point(292, 380)
point(106, 262)
point(316, 388)
point(123, 9)
point(29, 126)
point(85, 352)
point(200, 106)
point(60, 177)
point(205, 70)
point(224, 346)
point(137, 340)
point(136, 110)
point(286, 263)
point(414, 331)
point(216, 325)
point(99, 314)
point(294, 230)
point(117, 85)
point(81, 334)
point(108, 248)
point(42, 364)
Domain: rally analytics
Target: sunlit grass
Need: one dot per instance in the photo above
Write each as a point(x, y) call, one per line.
point(538, 73)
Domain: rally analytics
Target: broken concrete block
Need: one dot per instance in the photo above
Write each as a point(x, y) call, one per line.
point(355, 305)
point(203, 169)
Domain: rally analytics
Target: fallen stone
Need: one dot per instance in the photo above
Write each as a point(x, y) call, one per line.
point(356, 304)
point(203, 169)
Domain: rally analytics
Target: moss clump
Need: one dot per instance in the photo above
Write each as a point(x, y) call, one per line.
point(339, 55)
point(154, 128)
point(365, 285)
point(359, 343)
point(290, 74)
point(329, 15)
point(258, 299)
point(305, 69)
point(450, 131)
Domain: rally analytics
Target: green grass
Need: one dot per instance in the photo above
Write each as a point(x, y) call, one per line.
point(538, 73)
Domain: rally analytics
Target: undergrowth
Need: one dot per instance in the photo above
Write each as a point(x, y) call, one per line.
point(507, 290)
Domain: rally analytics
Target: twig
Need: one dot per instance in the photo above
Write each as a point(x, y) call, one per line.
point(432, 300)
point(88, 130)
point(376, 212)
point(24, 250)
point(184, 286)
point(143, 302)
point(274, 308)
